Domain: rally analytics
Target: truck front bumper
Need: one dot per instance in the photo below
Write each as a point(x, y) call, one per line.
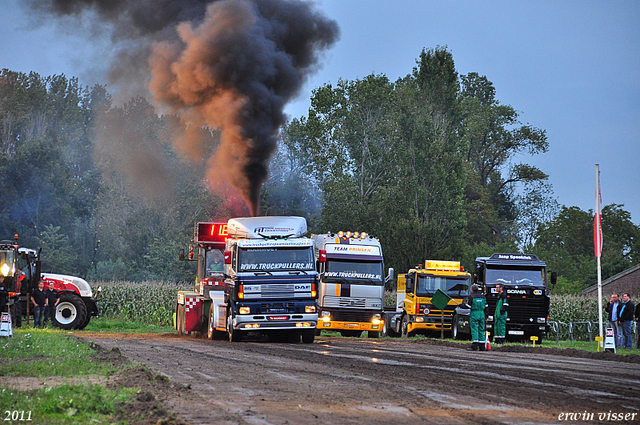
point(351, 326)
point(266, 322)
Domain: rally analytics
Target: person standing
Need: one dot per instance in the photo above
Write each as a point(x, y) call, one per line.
point(625, 317)
point(3, 295)
point(478, 305)
point(50, 304)
point(38, 298)
point(638, 324)
point(500, 316)
point(612, 310)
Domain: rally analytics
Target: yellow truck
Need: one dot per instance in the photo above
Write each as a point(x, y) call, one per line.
point(415, 312)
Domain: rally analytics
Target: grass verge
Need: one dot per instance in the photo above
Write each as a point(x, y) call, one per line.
point(48, 377)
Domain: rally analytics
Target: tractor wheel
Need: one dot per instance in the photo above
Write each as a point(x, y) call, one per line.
point(71, 312)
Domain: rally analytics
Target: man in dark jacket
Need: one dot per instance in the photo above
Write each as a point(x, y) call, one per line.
point(39, 299)
point(3, 295)
point(478, 305)
point(638, 323)
point(50, 306)
point(625, 317)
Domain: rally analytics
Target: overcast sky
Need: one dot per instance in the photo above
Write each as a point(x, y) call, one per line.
point(571, 68)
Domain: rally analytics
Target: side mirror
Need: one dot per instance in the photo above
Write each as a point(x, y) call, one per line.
point(322, 256)
point(390, 276)
point(554, 278)
point(181, 255)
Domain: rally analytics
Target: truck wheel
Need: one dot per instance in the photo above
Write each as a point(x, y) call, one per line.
point(308, 336)
point(405, 327)
point(373, 334)
point(179, 319)
point(16, 314)
point(71, 312)
point(211, 332)
point(234, 335)
point(454, 328)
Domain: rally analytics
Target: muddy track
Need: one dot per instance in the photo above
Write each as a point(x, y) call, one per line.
point(341, 380)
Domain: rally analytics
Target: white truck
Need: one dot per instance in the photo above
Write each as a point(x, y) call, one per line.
point(268, 283)
point(351, 291)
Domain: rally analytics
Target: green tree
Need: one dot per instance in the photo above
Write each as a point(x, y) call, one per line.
point(566, 242)
point(58, 254)
point(495, 137)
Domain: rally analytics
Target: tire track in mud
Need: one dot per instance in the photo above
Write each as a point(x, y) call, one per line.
point(338, 380)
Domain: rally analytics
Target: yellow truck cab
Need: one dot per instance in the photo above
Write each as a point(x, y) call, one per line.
point(416, 289)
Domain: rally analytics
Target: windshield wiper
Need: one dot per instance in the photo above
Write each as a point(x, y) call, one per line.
point(259, 272)
point(297, 271)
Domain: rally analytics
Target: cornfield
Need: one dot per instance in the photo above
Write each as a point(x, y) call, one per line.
point(153, 303)
point(150, 303)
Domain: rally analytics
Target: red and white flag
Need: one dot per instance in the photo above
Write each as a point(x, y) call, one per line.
point(597, 220)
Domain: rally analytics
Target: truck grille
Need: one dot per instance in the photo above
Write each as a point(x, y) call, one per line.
point(522, 310)
point(349, 302)
point(352, 316)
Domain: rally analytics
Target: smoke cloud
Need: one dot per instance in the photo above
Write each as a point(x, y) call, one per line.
point(229, 64)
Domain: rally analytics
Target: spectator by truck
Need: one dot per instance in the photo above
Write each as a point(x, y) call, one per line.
point(351, 283)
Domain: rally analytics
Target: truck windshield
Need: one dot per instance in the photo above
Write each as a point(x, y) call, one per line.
point(454, 287)
point(276, 259)
point(514, 277)
point(368, 272)
point(6, 263)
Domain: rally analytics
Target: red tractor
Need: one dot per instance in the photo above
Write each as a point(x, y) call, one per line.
point(20, 272)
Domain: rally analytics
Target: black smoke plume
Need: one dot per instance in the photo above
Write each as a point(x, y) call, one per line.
point(229, 64)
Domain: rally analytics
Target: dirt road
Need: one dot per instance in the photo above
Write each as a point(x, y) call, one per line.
point(362, 381)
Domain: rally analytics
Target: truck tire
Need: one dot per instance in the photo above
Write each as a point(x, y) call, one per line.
point(308, 336)
point(234, 335)
point(71, 312)
point(16, 314)
point(212, 332)
point(179, 319)
point(373, 334)
point(454, 328)
point(404, 327)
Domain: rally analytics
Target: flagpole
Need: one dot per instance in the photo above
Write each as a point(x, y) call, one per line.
point(598, 249)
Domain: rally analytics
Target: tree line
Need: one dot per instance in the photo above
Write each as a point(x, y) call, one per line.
point(427, 163)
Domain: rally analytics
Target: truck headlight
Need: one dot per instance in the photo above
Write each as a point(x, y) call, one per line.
point(377, 319)
point(419, 319)
point(490, 318)
point(245, 310)
point(325, 314)
point(310, 309)
point(542, 320)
